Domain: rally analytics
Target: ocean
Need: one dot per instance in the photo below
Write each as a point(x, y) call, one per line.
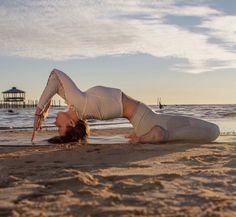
point(223, 115)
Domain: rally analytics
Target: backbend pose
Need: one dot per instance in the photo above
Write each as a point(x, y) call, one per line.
point(104, 103)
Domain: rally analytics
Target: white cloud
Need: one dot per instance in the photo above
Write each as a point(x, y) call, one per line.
point(222, 27)
point(65, 29)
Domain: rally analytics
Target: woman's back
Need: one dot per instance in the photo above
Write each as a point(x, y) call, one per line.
point(103, 103)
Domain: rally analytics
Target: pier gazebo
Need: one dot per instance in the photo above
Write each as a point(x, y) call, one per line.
point(14, 97)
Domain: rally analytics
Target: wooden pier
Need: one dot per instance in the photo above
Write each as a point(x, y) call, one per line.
point(27, 104)
point(15, 98)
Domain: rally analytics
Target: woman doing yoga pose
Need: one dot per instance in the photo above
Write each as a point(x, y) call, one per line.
point(104, 103)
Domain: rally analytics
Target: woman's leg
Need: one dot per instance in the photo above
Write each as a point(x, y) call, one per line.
point(181, 128)
point(153, 127)
point(194, 133)
point(197, 130)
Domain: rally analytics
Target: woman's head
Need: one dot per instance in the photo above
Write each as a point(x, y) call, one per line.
point(63, 121)
point(69, 130)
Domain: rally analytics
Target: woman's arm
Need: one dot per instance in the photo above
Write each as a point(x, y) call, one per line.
point(38, 119)
point(53, 87)
point(42, 108)
point(61, 84)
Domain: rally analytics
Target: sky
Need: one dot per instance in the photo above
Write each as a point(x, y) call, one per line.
point(181, 51)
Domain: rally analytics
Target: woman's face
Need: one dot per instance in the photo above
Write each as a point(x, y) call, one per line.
point(63, 121)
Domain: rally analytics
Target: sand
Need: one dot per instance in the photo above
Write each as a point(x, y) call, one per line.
point(119, 179)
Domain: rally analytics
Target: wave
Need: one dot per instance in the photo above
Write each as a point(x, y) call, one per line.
point(22, 128)
point(232, 133)
point(230, 115)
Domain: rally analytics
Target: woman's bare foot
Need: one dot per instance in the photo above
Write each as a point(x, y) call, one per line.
point(155, 135)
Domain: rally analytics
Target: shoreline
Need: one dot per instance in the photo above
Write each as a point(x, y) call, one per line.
point(23, 136)
point(119, 179)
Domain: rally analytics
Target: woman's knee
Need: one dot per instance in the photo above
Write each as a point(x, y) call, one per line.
point(214, 132)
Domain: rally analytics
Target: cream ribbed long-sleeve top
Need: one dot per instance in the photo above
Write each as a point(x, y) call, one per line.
point(98, 102)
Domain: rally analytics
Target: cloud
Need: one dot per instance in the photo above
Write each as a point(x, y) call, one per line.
point(65, 29)
point(222, 27)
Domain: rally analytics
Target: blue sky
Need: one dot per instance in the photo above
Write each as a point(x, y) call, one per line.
point(182, 51)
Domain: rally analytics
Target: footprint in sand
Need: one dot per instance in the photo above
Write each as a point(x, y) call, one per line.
point(29, 161)
point(9, 181)
point(169, 176)
point(139, 183)
point(139, 166)
point(76, 180)
point(231, 163)
point(137, 178)
point(213, 158)
point(5, 211)
point(231, 172)
point(129, 187)
point(209, 158)
point(94, 150)
point(191, 161)
point(58, 161)
point(202, 160)
point(168, 162)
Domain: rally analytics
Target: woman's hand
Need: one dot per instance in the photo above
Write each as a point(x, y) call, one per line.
point(133, 138)
point(38, 119)
point(37, 125)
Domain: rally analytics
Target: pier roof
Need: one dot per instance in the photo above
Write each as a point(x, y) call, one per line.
point(13, 90)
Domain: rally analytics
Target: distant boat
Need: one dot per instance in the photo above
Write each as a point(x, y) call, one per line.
point(159, 103)
point(10, 111)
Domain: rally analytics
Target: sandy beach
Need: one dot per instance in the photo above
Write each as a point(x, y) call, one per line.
point(110, 177)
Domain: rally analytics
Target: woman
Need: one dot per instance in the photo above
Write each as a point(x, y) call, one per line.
point(106, 103)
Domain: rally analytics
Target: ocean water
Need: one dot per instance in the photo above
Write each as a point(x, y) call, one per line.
point(223, 115)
